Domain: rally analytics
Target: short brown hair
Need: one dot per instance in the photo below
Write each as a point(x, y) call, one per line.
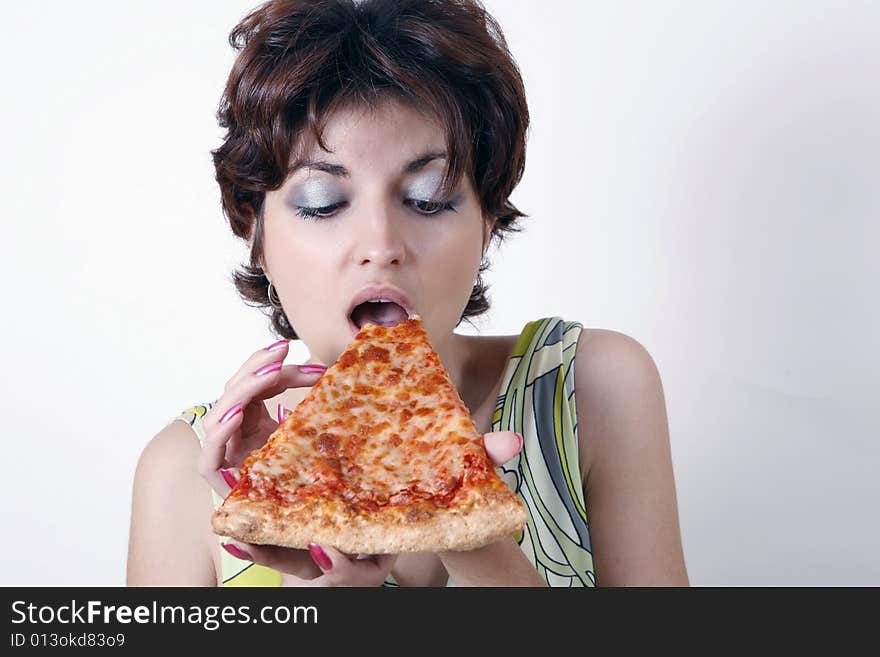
point(301, 59)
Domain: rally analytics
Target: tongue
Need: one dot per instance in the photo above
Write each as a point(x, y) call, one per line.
point(381, 313)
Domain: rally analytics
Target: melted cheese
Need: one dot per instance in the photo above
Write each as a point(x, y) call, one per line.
point(383, 424)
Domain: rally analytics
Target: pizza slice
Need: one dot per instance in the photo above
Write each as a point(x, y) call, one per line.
point(381, 457)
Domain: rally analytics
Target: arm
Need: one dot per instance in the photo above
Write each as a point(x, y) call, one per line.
point(413, 569)
point(625, 456)
point(498, 564)
point(170, 540)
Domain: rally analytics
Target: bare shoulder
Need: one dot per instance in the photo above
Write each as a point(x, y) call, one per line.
point(614, 377)
point(603, 351)
point(170, 515)
point(623, 441)
point(171, 446)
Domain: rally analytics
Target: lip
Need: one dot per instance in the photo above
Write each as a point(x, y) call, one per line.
point(379, 292)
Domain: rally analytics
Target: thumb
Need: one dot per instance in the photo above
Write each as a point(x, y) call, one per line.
point(502, 445)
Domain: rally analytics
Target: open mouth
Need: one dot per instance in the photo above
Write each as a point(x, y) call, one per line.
point(381, 313)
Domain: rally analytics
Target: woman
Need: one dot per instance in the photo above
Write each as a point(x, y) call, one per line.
point(375, 145)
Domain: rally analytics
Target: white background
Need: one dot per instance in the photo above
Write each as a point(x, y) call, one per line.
point(702, 176)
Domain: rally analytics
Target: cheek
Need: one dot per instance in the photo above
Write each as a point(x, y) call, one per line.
point(300, 267)
point(454, 259)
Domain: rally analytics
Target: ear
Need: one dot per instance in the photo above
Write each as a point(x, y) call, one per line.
point(488, 227)
point(250, 243)
point(250, 250)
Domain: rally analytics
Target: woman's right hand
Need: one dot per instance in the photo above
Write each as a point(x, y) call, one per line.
point(247, 426)
point(239, 422)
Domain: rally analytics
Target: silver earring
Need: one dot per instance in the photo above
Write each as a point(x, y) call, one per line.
point(276, 302)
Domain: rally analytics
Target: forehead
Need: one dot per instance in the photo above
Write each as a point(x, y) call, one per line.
point(379, 137)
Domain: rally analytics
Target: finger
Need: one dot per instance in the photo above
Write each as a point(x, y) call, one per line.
point(502, 445)
point(291, 376)
point(212, 458)
point(261, 387)
point(221, 436)
point(274, 352)
point(342, 570)
point(290, 561)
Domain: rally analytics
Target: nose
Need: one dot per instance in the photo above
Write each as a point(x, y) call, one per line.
point(379, 237)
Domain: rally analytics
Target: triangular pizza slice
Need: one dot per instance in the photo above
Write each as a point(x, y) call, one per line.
point(381, 457)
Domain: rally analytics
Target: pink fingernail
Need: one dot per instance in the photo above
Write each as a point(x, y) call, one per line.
point(320, 557)
point(282, 413)
point(522, 441)
point(271, 367)
point(275, 346)
point(232, 412)
point(228, 477)
point(236, 552)
point(311, 369)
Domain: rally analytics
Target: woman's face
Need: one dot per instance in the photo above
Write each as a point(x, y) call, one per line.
point(379, 222)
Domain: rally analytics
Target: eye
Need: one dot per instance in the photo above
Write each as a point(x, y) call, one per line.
point(423, 207)
point(318, 213)
point(430, 207)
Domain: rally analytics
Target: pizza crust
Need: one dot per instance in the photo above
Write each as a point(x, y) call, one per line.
point(391, 530)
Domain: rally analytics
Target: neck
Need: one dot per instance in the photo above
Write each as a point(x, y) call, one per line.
point(465, 368)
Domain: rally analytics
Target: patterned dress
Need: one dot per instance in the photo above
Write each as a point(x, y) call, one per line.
point(537, 400)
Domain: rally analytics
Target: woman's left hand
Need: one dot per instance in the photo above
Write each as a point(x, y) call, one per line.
point(501, 563)
point(335, 568)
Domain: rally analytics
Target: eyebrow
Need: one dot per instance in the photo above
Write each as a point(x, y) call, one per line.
point(342, 172)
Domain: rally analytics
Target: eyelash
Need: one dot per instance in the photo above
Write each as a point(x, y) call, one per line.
point(316, 213)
